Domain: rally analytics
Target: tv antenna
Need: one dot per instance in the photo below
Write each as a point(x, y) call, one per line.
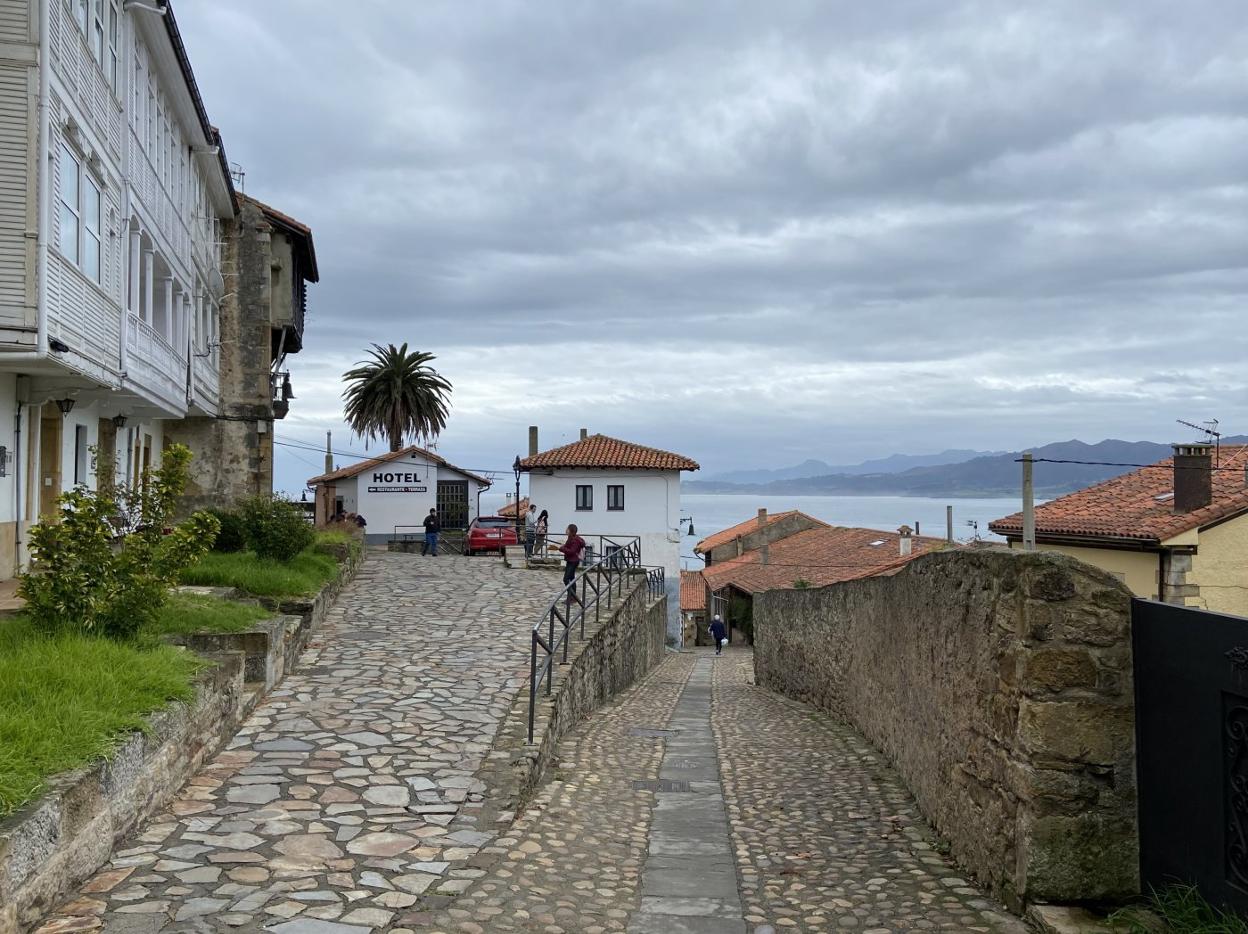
point(1211, 433)
point(974, 524)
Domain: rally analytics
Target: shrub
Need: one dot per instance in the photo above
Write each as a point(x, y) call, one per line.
point(233, 534)
point(107, 565)
point(275, 528)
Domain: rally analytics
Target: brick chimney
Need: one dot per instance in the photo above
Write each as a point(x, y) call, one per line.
point(762, 535)
point(532, 440)
point(1193, 476)
point(584, 433)
point(906, 542)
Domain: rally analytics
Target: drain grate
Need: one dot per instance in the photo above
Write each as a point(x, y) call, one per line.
point(660, 784)
point(651, 732)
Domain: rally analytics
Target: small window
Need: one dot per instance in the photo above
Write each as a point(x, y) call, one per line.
point(80, 454)
point(615, 498)
point(584, 498)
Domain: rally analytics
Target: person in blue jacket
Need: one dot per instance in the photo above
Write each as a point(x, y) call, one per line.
point(719, 632)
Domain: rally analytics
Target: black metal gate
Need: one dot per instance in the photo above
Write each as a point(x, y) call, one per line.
point(1191, 722)
point(453, 503)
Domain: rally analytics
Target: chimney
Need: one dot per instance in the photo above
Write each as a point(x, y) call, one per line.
point(1193, 476)
point(532, 440)
point(907, 543)
point(584, 433)
point(762, 535)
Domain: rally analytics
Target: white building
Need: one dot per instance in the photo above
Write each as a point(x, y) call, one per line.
point(395, 492)
point(113, 191)
point(616, 488)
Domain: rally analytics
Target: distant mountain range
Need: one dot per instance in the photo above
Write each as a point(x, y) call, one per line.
point(981, 474)
point(894, 463)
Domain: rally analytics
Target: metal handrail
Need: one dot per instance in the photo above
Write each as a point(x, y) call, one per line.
point(603, 579)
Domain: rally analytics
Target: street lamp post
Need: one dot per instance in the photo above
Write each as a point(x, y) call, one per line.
point(515, 467)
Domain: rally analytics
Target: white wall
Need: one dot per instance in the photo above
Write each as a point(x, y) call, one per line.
point(651, 510)
point(407, 498)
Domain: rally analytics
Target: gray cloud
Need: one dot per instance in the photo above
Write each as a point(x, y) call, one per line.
point(839, 229)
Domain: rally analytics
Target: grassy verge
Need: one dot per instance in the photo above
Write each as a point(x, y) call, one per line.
point(1181, 910)
point(68, 699)
point(301, 576)
point(192, 613)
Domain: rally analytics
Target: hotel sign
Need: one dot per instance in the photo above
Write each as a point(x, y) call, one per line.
point(398, 483)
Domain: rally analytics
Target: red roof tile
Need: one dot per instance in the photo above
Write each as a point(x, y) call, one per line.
point(745, 528)
point(601, 451)
point(509, 511)
point(819, 556)
point(356, 469)
point(692, 591)
point(1128, 507)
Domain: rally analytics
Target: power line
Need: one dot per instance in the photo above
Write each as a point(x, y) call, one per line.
point(319, 449)
point(1050, 460)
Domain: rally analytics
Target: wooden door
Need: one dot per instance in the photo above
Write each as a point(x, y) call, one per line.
point(50, 428)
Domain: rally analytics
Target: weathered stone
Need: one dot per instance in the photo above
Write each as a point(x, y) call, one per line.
point(1054, 670)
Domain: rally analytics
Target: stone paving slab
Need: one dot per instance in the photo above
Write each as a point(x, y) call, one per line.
point(331, 811)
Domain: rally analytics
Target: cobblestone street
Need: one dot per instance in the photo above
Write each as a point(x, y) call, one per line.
point(824, 835)
point(332, 804)
point(696, 803)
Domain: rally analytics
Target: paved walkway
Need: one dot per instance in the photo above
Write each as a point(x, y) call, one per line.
point(332, 804)
point(810, 831)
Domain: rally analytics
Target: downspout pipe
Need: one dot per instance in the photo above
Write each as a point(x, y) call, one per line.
point(43, 187)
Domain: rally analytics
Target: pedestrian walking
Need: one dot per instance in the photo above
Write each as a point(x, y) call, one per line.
point(543, 524)
point(572, 550)
point(719, 632)
point(432, 528)
point(530, 531)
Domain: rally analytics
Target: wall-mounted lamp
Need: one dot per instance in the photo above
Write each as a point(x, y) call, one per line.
point(287, 392)
point(66, 405)
point(57, 346)
point(119, 422)
point(689, 519)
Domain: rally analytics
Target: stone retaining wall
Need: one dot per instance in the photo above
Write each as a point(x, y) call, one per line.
point(55, 843)
point(1000, 686)
point(628, 643)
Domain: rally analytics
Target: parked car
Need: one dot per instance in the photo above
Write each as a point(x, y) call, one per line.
point(490, 533)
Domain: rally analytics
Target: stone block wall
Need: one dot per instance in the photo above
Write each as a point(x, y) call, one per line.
point(628, 644)
point(999, 684)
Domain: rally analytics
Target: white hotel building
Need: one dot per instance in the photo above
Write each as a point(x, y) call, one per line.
point(114, 190)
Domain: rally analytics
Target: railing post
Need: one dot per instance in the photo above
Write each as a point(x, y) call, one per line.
point(584, 597)
point(532, 682)
point(598, 596)
point(550, 674)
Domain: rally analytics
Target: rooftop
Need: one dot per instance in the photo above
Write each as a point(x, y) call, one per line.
point(692, 591)
point(353, 470)
point(745, 528)
point(602, 451)
point(1136, 507)
point(819, 557)
point(510, 509)
point(301, 231)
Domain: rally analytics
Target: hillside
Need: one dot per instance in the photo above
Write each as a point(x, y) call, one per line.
point(894, 463)
point(992, 475)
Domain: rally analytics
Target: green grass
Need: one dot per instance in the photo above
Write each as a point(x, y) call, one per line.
point(1182, 910)
point(194, 613)
point(301, 576)
point(68, 699)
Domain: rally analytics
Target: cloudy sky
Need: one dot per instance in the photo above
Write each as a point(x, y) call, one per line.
point(757, 232)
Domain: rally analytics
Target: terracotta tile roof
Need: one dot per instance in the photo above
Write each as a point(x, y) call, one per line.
point(510, 508)
point(692, 591)
point(820, 556)
point(1128, 508)
point(745, 528)
point(601, 451)
point(356, 469)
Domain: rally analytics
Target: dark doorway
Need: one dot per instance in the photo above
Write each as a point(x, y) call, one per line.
point(453, 503)
point(1191, 722)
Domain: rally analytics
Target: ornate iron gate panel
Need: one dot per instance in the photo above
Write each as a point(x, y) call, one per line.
point(1191, 723)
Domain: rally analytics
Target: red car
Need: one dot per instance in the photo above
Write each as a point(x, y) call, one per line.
point(490, 533)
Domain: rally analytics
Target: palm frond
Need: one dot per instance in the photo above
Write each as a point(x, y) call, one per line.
point(396, 395)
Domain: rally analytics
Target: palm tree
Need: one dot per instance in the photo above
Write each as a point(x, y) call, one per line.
point(396, 395)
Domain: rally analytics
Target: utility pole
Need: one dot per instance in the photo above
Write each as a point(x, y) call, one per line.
point(1029, 505)
point(949, 524)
